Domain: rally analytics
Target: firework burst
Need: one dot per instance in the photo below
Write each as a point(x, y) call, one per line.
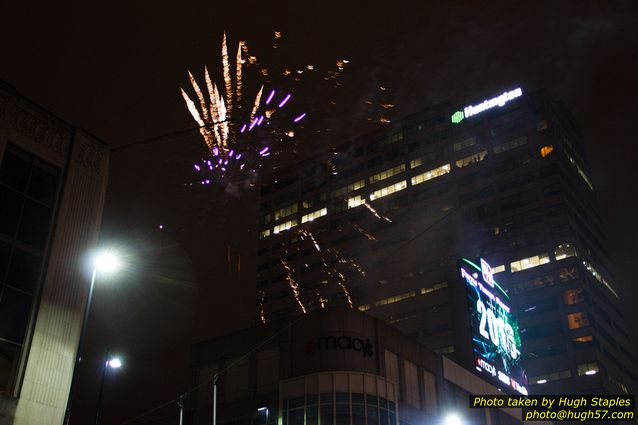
point(228, 121)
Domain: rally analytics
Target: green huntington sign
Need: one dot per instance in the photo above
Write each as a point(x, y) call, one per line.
point(457, 117)
point(497, 101)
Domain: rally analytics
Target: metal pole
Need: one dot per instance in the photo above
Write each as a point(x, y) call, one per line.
point(215, 379)
point(267, 416)
point(180, 403)
point(99, 394)
point(78, 355)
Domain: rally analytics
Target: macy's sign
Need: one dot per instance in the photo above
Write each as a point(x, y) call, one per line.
point(342, 342)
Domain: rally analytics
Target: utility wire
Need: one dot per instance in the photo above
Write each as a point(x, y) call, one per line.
point(182, 396)
point(377, 264)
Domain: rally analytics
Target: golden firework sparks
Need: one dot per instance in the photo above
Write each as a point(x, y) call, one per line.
point(293, 284)
point(375, 212)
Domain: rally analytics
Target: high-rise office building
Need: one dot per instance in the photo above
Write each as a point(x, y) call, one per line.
point(52, 185)
point(505, 179)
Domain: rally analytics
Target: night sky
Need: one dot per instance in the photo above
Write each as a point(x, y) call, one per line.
point(115, 69)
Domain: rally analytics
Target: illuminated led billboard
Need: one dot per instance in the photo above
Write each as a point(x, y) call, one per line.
point(495, 339)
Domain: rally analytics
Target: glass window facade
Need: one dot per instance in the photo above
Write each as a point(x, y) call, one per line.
point(342, 406)
point(28, 193)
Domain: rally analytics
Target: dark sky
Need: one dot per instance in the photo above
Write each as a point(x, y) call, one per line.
point(114, 68)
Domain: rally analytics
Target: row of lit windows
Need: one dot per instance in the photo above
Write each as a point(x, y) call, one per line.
point(350, 188)
point(284, 226)
point(388, 190)
point(471, 159)
point(400, 297)
point(429, 175)
point(561, 252)
point(387, 173)
point(529, 262)
point(554, 376)
point(355, 201)
point(313, 215)
point(286, 211)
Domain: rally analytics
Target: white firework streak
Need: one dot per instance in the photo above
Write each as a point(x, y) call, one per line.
point(227, 81)
point(238, 80)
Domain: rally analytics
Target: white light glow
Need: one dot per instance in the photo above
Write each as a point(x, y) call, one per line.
point(114, 363)
point(541, 381)
point(452, 419)
point(591, 372)
point(106, 261)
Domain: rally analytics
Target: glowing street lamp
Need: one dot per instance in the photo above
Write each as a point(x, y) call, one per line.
point(109, 363)
point(103, 262)
point(452, 419)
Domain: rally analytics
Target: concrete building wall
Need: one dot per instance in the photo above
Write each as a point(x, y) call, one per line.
point(43, 380)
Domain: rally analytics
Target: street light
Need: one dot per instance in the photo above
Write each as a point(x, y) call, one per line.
point(109, 363)
point(104, 262)
point(452, 419)
point(263, 408)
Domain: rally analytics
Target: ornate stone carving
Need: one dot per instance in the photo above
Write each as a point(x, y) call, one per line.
point(32, 127)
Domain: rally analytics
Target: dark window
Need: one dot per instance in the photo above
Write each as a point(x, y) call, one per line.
point(15, 307)
point(24, 270)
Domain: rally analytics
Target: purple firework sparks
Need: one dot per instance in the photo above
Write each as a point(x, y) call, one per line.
point(243, 128)
point(300, 117)
point(283, 102)
point(263, 151)
point(252, 125)
point(270, 96)
point(197, 167)
point(261, 119)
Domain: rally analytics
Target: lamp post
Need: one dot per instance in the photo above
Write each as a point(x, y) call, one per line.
point(263, 408)
point(109, 363)
point(105, 262)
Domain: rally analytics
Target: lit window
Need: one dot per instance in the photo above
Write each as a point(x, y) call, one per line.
point(350, 188)
point(577, 320)
point(554, 376)
point(529, 262)
point(264, 234)
point(284, 226)
point(388, 190)
point(564, 250)
point(470, 141)
point(574, 296)
point(546, 150)
point(498, 269)
point(364, 307)
point(313, 215)
point(387, 173)
point(394, 299)
point(504, 147)
point(285, 211)
point(472, 159)
point(428, 175)
point(586, 338)
point(588, 369)
point(355, 201)
point(433, 288)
